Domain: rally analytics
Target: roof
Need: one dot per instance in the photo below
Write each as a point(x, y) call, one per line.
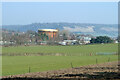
point(52, 30)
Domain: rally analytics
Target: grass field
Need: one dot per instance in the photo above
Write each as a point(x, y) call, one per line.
point(20, 64)
point(63, 50)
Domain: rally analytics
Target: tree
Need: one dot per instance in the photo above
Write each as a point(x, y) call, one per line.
point(93, 40)
point(101, 39)
point(43, 36)
point(64, 34)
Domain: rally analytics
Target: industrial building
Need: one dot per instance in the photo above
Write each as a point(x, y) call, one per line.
point(51, 33)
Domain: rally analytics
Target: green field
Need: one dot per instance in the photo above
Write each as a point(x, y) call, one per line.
point(63, 50)
point(78, 56)
point(20, 64)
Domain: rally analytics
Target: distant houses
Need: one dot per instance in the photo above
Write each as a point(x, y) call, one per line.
point(84, 39)
point(63, 38)
point(46, 37)
point(68, 42)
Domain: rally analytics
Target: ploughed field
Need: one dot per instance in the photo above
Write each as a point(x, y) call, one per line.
point(24, 59)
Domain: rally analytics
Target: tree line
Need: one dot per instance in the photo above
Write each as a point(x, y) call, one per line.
point(101, 39)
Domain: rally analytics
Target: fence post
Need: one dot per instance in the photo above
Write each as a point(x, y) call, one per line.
point(71, 65)
point(29, 69)
point(109, 59)
point(96, 61)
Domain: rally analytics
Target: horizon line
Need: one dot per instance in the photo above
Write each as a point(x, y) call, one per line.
point(60, 22)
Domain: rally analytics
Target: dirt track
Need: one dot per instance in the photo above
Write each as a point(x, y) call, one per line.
point(104, 71)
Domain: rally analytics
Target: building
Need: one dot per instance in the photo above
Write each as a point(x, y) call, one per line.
point(84, 39)
point(68, 42)
point(51, 33)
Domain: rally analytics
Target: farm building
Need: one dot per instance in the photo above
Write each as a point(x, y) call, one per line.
point(51, 33)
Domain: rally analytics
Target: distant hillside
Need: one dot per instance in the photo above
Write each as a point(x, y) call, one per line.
point(80, 28)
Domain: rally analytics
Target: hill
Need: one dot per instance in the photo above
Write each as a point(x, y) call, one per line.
point(80, 28)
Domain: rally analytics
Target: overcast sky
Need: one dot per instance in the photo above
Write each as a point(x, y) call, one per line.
point(14, 13)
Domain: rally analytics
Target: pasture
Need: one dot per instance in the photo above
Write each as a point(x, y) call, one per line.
point(44, 58)
point(60, 50)
point(20, 64)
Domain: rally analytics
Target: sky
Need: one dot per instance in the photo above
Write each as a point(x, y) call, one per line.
point(23, 13)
